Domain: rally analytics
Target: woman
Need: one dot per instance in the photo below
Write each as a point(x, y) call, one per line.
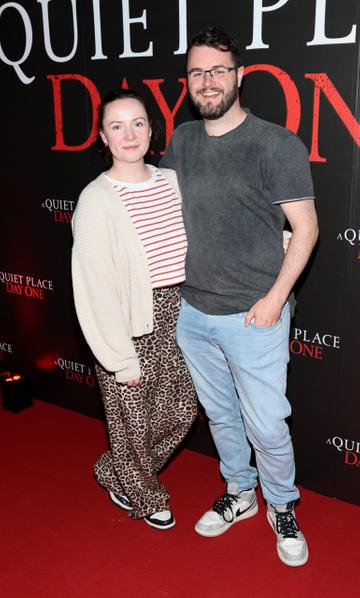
point(127, 262)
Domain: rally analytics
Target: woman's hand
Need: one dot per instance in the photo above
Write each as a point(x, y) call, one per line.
point(132, 383)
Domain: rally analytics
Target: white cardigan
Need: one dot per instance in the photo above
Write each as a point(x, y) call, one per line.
point(111, 281)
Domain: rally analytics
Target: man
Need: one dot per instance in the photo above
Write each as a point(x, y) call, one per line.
point(240, 177)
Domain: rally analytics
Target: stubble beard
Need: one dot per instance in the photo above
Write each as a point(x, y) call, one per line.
point(211, 112)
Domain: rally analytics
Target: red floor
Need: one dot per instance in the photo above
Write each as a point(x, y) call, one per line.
point(62, 537)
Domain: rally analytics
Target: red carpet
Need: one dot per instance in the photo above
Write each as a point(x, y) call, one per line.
point(62, 537)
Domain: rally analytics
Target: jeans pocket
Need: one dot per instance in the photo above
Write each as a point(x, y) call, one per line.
point(265, 329)
point(284, 313)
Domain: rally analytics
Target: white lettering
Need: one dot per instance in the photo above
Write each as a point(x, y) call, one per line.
point(257, 22)
point(10, 277)
point(39, 283)
point(316, 338)
point(28, 43)
point(338, 443)
point(305, 337)
point(58, 204)
point(6, 347)
point(336, 344)
point(46, 29)
point(48, 204)
point(182, 27)
point(351, 236)
point(347, 442)
point(99, 55)
point(67, 364)
point(324, 340)
point(320, 38)
point(127, 21)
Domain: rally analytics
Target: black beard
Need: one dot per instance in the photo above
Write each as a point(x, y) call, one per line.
point(214, 112)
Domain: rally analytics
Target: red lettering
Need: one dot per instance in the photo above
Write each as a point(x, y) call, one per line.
point(34, 293)
point(68, 375)
point(14, 288)
point(296, 347)
point(90, 381)
point(349, 455)
point(74, 376)
point(308, 349)
point(292, 98)
point(319, 352)
point(324, 84)
point(60, 216)
point(304, 349)
point(95, 101)
point(169, 115)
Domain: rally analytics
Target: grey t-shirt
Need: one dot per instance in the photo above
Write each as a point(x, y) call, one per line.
point(231, 187)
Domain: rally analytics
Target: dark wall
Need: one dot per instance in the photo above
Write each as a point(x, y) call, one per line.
point(302, 71)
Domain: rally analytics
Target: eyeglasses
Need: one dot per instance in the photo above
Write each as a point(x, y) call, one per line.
point(216, 72)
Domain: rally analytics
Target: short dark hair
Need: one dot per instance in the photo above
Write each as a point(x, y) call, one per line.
point(121, 94)
point(218, 39)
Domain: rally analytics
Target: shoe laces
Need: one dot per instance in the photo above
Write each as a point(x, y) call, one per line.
point(286, 524)
point(223, 504)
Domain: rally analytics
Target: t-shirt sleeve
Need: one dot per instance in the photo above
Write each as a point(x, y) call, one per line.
point(169, 158)
point(288, 175)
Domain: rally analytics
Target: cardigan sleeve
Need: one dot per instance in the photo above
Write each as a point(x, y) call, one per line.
point(96, 292)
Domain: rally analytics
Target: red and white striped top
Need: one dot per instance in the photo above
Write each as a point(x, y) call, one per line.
point(155, 211)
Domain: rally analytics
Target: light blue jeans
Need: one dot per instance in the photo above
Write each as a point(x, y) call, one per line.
point(240, 377)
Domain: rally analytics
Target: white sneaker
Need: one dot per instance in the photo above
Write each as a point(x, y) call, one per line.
point(161, 519)
point(291, 544)
point(227, 510)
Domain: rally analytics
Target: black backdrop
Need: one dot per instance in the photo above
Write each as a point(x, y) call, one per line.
point(302, 71)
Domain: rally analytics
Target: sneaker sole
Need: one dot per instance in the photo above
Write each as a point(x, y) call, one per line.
point(161, 527)
point(118, 503)
point(213, 534)
point(283, 558)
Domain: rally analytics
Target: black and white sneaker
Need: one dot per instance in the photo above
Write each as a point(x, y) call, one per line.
point(291, 544)
point(161, 519)
point(121, 501)
point(227, 510)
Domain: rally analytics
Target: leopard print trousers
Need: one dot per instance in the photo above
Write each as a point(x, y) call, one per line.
point(146, 423)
